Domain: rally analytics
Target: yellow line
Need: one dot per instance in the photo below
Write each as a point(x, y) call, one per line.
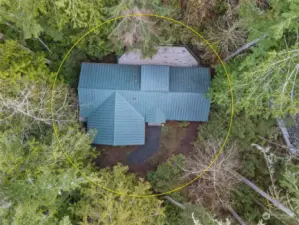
point(228, 80)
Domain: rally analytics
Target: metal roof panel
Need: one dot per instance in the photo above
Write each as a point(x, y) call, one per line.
point(109, 76)
point(154, 78)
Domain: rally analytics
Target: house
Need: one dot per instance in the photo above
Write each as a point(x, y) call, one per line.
point(117, 100)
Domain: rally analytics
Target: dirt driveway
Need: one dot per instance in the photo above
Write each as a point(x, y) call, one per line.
point(175, 138)
point(150, 147)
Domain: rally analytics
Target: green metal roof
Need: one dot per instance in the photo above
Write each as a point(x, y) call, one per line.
point(155, 115)
point(118, 99)
point(109, 76)
point(117, 122)
point(189, 79)
point(154, 78)
point(175, 105)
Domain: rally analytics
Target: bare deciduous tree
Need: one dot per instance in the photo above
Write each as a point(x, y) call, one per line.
point(216, 184)
point(34, 102)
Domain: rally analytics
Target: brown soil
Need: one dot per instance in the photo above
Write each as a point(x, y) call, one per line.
point(176, 138)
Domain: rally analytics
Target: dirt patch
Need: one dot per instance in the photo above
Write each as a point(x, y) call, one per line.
point(176, 138)
point(110, 155)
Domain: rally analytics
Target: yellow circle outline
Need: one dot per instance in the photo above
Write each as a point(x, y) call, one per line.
point(228, 79)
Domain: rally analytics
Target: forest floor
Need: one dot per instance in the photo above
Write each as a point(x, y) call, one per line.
point(176, 138)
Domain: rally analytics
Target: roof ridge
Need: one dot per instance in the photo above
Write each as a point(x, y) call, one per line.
point(114, 93)
point(127, 102)
point(113, 96)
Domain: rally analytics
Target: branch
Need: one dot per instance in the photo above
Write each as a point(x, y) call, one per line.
point(46, 46)
point(276, 203)
point(196, 221)
point(46, 60)
point(286, 136)
point(244, 47)
point(33, 105)
point(235, 215)
point(174, 202)
point(266, 209)
point(40, 40)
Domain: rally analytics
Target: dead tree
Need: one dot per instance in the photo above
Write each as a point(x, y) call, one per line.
point(34, 102)
point(229, 208)
point(276, 203)
point(286, 136)
point(235, 215)
point(244, 47)
point(174, 202)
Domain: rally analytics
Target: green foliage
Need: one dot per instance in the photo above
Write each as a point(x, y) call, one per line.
point(58, 24)
point(100, 206)
point(35, 176)
point(143, 32)
point(167, 175)
point(245, 205)
point(283, 187)
point(245, 130)
point(19, 63)
point(39, 186)
point(290, 182)
point(27, 92)
point(262, 85)
point(200, 214)
point(38, 183)
point(264, 81)
point(277, 22)
point(173, 214)
point(184, 124)
point(165, 129)
point(192, 213)
point(52, 17)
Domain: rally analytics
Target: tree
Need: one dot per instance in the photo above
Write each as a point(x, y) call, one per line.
point(59, 24)
point(144, 32)
point(262, 86)
point(18, 63)
point(214, 188)
point(281, 204)
point(278, 21)
point(34, 18)
point(38, 184)
point(199, 13)
point(264, 81)
point(36, 180)
point(27, 82)
point(99, 206)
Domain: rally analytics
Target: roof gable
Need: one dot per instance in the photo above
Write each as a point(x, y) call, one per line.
point(129, 127)
point(120, 122)
point(102, 119)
